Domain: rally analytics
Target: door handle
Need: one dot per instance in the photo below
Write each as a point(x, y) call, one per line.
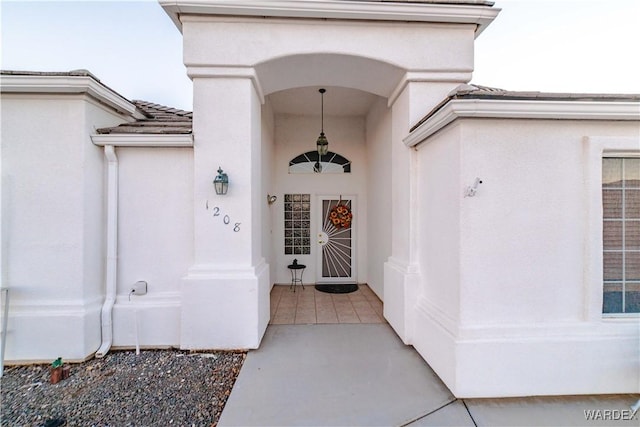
point(320, 241)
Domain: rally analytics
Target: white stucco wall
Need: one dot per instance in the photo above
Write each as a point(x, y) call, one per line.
point(438, 241)
point(402, 271)
point(225, 293)
point(510, 301)
point(379, 225)
point(296, 135)
point(53, 258)
point(268, 188)
point(155, 243)
point(295, 53)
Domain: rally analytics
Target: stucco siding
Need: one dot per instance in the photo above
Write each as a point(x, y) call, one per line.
point(524, 234)
point(437, 308)
point(510, 305)
point(379, 225)
point(268, 188)
point(52, 181)
point(155, 242)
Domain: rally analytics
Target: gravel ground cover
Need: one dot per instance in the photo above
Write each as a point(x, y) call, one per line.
point(154, 388)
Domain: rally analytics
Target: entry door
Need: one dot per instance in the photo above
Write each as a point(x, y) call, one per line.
point(336, 254)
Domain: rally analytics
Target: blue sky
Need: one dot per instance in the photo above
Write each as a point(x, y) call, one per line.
point(134, 48)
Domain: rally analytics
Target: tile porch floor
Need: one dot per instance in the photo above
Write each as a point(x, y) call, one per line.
point(310, 306)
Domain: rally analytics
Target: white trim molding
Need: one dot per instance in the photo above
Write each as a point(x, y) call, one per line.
point(522, 109)
point(455, 76)
point(226, 72)
point(67, 84)
point(143, 140)
point(482, 13)
point(596, 147)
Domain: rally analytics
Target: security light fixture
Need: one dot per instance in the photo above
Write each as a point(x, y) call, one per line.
point(322, 143)
point(221, 182)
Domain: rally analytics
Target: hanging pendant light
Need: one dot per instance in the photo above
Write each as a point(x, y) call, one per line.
point(322, 143)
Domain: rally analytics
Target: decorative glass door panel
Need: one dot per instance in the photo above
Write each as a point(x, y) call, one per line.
point(336, 240)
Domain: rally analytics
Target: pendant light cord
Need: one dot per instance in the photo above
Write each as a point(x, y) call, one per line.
point(322, 91)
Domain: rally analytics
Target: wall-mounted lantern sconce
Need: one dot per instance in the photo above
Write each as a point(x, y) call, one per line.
point(271, 199)
point(221, 182)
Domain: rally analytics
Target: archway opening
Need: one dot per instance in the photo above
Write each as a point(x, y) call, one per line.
point(357, 125)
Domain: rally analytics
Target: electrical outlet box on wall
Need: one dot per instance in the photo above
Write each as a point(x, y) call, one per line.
point(139, 288)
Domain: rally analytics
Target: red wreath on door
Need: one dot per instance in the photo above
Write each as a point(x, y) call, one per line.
point(341, 216)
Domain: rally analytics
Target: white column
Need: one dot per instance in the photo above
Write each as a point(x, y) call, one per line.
point(225, 296)
point(402, 279)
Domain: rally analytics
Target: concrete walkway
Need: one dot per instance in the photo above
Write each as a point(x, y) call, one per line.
point(363, 375)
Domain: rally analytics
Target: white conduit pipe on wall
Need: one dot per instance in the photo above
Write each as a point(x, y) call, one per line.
point(112, 251)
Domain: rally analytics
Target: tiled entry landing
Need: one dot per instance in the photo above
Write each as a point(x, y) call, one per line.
point(310, 306)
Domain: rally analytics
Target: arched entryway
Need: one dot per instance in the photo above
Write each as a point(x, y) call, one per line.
point(256, 106)
point(357, 125)
point(355, 109)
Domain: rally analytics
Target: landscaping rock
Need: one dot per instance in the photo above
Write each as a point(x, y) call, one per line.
point(156, 387)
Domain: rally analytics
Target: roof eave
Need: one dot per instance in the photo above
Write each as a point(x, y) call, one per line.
point(479, 13)
point(521, 109)
point(67, 84)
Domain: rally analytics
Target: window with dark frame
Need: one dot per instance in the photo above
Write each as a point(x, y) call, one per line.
point(297, 224)
point(330, 163)
point(621, 235)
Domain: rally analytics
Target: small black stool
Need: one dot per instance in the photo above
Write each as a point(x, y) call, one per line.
point(295, 268)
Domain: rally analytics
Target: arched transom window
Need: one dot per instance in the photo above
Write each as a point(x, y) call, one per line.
point(310, 162)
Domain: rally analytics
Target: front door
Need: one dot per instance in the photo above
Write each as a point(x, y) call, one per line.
point(336, 239)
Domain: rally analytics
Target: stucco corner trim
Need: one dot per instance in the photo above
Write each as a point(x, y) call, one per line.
point(140, 140)
point(459, 76)
point(432, 311)
point(522, 109)
point(227, 72)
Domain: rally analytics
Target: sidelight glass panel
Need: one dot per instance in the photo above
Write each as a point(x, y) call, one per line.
point(297, 215)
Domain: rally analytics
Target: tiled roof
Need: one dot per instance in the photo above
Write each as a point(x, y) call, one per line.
point(159, 119)
point(469, 2)
point(83, 73)
point(150, 118)
point(64, 82)
point(474, 91)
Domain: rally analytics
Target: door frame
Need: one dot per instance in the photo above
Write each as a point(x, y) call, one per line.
point(318, 228)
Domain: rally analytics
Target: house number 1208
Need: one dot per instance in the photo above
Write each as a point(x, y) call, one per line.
point(225, 219)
